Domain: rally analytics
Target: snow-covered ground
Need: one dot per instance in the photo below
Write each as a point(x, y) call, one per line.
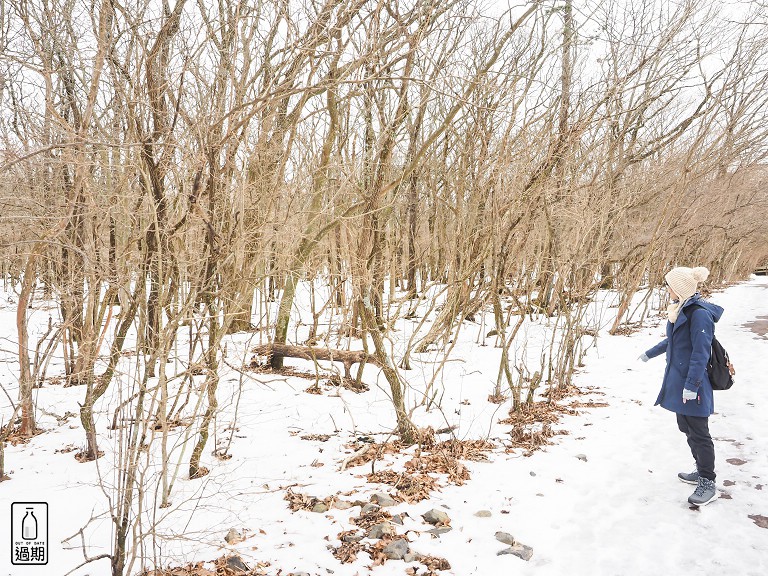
point(602, 499)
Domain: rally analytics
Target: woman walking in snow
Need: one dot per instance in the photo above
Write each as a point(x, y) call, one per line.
point(686, 389)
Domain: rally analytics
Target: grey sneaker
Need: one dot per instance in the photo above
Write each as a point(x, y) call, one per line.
point(705, 492)
point(689, 477)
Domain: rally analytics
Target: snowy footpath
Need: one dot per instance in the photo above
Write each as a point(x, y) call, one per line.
point(601, 500)
point(623, 510)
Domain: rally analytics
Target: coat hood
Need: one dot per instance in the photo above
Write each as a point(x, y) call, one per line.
point(697, 300)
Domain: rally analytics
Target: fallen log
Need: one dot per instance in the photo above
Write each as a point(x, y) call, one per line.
point(346, 357)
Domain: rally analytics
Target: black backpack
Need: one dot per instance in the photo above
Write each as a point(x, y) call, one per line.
point(719, 368)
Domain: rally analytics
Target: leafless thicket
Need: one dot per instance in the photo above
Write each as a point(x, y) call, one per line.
point(173, 165)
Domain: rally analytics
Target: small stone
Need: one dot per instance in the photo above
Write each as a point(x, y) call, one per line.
point(505, 537)
point(397, 519)
point(411, 556)
point(378, 531)
point(532, 473)
point(320, 507)
point(236, 563)
point(396, 550)
point(582, 457)
point(356, 537)
point(436, 517)
point(383, 500)
point(370, 507)
point(491, 333)
point(439, 531)
point(233, 537)
point(483, 514)
point(342, 504)
point(520, 550)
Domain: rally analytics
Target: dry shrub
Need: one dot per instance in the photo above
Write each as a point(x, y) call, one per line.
point(410, 487)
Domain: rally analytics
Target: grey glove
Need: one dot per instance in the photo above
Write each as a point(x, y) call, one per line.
point(643, 357)
point(689, 395)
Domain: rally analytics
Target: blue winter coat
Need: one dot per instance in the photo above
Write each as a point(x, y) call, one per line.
point(688, 346)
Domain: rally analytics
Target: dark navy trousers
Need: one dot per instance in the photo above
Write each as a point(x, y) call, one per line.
point(696, 430)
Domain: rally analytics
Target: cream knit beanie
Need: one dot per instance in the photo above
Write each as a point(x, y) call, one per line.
point(684, 281)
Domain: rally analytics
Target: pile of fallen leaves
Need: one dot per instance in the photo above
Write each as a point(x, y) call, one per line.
point(431, 458)
point(530, 439)
point(14, 436)
point(445, 458)
point(298, 501)
point(371, 451)
point(369, 519)
point(224, 566)
point(432, 563)
point(536, 413)
point(348, 551)
point(474, 450)
point(532, 425)
point(410, 487)
point(318, 437)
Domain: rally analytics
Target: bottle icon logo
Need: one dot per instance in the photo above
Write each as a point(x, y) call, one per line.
point(29, 525)
point(29, 533)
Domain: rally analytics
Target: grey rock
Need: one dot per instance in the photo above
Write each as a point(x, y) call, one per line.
point(582, 457)
point(342, 504)
point(383, 500)
point(396, 550)
point(236, 563)
point(532, 473)
point(411, 556)
point(505, 537)
point(435, 516)
point(439, 531)
point(356, 537)
point(483, 514)
point(320, 507)
point(377, 531)
point(519, 550)
point(370, 507)
point(397, 519)
point(233, 536)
